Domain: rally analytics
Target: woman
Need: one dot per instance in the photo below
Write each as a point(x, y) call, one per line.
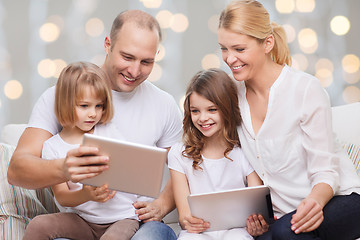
point(287, 132)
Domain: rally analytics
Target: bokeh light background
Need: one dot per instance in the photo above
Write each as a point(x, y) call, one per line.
point(39, 37)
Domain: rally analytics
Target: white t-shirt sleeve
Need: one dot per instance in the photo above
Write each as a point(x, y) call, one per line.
point(175, 158)
point(43, 115)
point(173, 127)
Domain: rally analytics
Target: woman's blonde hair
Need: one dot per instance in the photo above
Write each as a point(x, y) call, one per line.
point(249, 17)
point(70, 88)
point(216, 86)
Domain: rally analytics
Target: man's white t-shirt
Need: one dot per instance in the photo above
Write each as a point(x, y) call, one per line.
point(118, 208)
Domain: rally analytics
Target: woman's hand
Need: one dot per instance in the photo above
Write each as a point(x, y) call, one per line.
point(194, 225)
point(98, 194)
point(256, 225)
point(308, 216)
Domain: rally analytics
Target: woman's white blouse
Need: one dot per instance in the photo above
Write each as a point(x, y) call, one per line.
point(294, 148)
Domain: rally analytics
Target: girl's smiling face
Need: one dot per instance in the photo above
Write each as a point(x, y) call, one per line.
point(205, 115)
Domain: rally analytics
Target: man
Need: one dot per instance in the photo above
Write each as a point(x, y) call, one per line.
point(143, 114)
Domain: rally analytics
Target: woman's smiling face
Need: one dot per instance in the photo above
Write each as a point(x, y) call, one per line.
point(243, 54)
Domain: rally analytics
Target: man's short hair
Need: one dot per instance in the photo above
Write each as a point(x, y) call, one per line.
point(140, 18)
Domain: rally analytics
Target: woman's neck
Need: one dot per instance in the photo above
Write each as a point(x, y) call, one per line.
point(73, 135)
point(260, 85)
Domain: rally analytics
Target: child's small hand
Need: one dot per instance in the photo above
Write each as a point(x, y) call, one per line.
point(195, 225)
point(256, 225)
point(99, 194)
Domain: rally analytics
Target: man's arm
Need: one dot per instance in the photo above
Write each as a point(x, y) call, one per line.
point(159, 208)
point(27, 169)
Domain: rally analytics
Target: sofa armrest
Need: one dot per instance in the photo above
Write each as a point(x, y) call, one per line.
point(11, 133)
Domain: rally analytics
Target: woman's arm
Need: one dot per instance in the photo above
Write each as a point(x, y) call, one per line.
point(181, 191)
point(68, 198)
point(309, 214)
point(322, 164)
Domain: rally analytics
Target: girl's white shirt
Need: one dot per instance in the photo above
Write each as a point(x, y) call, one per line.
point(217, 174)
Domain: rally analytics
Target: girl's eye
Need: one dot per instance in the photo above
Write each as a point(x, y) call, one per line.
point(240, 49)
point(212, 109)
point(194, 111)
point(83, 105)
point(223, 49)
point(99, 105)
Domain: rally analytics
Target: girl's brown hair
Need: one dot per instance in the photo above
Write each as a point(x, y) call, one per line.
point(249, 17)
point(216, 86)
point(70, 88)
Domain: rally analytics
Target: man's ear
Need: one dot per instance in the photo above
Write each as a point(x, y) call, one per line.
point(107, 45)
point(269, 43)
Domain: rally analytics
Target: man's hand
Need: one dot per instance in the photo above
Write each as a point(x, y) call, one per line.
point(149, 211)
point(82, 163)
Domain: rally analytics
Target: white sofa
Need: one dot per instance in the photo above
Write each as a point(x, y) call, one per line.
point(19, 205)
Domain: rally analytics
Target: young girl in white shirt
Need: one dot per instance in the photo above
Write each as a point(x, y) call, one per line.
point(82, 100)
point(210, 158)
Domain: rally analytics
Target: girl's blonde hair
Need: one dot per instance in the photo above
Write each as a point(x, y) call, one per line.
point(216, 86)
point(70, 88)
point(249, 17)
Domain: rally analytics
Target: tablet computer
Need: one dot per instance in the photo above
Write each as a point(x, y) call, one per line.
point(230, 209)
point(133, 168)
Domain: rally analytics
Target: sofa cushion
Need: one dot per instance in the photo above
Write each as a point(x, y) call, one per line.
point(18, 205)
point(354, 153)
point(346, 119)
point(11, 133)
